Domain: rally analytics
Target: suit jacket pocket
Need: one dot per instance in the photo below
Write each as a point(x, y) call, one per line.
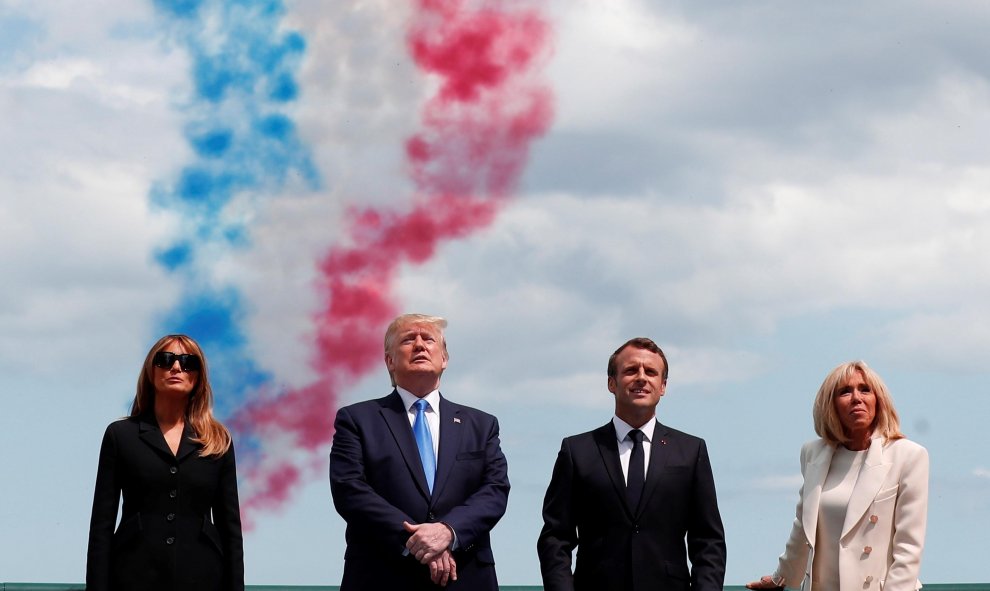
point(465, 456)
point(676, 571)
point(128, 530)
point(485, 555)
point(885, 494)
point(210, 532)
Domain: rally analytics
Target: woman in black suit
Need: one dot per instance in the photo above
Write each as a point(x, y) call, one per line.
point(180, 527)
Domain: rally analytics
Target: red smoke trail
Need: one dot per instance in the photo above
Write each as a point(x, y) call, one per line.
point(465, 160)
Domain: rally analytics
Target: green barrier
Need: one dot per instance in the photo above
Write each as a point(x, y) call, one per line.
point(81, 587)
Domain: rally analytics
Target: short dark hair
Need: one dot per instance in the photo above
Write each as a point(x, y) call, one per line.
point(639, 343)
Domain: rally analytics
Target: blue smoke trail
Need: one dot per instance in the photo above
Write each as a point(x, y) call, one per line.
point(244, 144)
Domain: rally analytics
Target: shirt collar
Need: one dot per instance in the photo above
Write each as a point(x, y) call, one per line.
point(408, 399)
point(623, 428)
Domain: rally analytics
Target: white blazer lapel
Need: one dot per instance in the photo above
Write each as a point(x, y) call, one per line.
point(814, 477)
point(871, 477)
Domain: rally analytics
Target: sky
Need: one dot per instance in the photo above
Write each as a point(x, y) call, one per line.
point(767, 189)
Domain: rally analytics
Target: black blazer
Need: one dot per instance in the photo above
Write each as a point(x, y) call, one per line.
point(377, 482)
point(180, 529)
point(619, 547)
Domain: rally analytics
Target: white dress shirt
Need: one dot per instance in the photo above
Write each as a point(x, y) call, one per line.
point(622, 430)
point(433, 420)
point(843, 471)
point(432, 413)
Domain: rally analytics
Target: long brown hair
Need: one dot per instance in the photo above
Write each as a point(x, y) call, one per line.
point(208, 431)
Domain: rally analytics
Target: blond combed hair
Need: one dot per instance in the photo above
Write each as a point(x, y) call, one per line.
point(208, 431)
point(886, 424)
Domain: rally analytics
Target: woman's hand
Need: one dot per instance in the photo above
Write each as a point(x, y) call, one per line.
point(765, 582)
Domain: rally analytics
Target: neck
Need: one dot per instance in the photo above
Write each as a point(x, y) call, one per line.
point(637, 420)
point(169, 411)
point(420, 388)
point(859, 441)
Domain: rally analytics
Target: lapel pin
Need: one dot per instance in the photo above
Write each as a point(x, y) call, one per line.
point(457, 420)
point(874, 519)
point(663, 442)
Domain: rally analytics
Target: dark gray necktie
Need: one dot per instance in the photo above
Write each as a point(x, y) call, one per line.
point(637, 467)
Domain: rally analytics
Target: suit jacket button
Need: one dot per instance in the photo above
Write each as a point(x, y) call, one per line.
point(869, 578)
point(170, 517)
point(867, 549)
point(431, 517)
point(173, 469)
point(170, 541)
point(172, 493)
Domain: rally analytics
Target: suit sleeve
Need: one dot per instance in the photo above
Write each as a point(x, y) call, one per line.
point(910, 520)
point(559, 535)
point(227, 518)
point(106, 499)
point(355, 500)
point(794, 561)
point(705, 536)
point(477, 515)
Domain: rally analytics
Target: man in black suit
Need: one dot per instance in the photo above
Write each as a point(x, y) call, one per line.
point(419, 480)
point(628, 494)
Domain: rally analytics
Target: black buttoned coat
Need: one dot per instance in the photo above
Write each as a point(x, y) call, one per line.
point(180, 527)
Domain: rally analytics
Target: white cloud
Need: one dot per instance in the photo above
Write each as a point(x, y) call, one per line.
point(84, 137)
point(962, 335)
point(607, 60)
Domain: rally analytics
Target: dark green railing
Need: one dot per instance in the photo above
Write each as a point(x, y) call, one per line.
point(81, 587)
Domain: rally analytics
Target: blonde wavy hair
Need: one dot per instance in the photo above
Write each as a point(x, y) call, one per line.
point(827, 423)
point(209, 432)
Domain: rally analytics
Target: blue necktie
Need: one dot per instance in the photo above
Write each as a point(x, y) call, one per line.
point(421, 429)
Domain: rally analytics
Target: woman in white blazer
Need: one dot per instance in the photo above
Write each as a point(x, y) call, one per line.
point(861, 514)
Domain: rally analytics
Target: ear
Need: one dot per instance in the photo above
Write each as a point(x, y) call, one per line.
point(663, 388)
point(611, 385)
point(389, 363)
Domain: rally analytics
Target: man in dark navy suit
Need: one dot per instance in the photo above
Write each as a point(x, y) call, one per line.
point(420, 480)
point(635, 497)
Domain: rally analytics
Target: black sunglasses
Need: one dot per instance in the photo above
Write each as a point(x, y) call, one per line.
point(166, 359)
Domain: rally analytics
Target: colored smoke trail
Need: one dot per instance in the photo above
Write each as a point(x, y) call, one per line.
point(245, 149)
point(465, 161)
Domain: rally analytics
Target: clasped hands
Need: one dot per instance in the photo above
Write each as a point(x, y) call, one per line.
point(430, 545)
